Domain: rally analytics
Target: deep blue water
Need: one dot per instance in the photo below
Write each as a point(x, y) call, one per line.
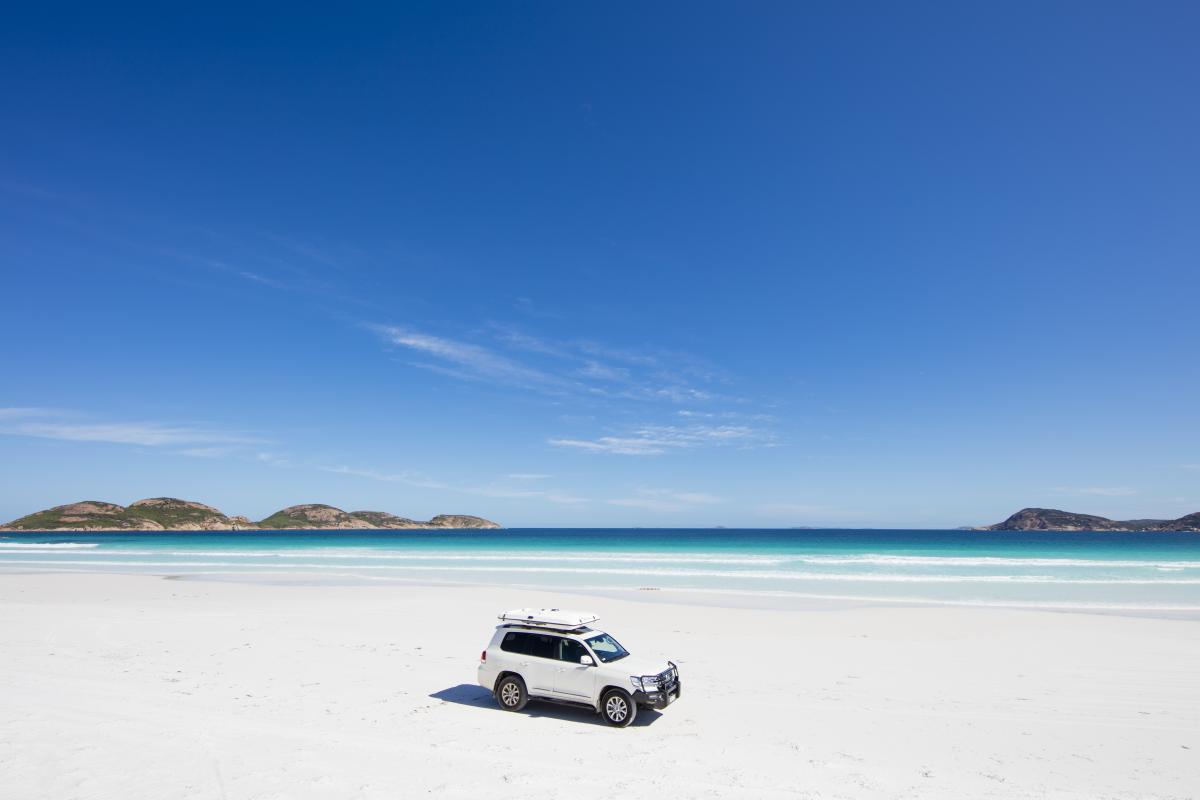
point(1091, 570)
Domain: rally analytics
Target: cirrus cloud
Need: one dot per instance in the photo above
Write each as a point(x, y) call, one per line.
point(652, 440)
point(55, 424)
point(666, 500)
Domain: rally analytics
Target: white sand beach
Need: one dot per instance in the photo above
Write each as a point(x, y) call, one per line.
point(140, 687)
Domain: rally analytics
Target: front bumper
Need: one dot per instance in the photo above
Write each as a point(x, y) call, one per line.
point(660, 699)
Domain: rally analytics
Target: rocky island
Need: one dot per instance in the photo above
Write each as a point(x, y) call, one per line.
point(173, 514)
point(1052, 519)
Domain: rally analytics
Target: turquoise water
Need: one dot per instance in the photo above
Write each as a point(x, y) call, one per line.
point(1138, 572)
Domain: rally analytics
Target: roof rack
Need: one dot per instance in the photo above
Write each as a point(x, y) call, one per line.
point(554, 618)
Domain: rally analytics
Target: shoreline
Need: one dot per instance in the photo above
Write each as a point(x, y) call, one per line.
point(706, 597)
point(731, 599)
point(710, 597)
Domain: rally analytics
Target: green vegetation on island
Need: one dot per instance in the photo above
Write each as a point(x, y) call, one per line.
point(1052, 519)
point(311, 515)
point(173, 514)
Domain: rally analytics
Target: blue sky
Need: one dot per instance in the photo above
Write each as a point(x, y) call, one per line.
point(585, 264)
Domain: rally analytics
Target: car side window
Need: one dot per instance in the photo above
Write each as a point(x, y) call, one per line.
point(570, 650)
point(542, 646)
point(516, 643)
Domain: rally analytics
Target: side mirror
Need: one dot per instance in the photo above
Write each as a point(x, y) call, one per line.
point(587, 661)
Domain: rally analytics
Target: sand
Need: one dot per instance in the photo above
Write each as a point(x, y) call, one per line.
point(141, 687)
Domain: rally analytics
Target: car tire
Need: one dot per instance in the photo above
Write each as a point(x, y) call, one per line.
point(617, 708)
point(511, 693)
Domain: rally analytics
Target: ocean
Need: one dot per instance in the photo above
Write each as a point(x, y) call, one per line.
point(1139, 573)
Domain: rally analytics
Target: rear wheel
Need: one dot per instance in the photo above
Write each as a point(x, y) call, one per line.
point(511, 694)
point(617, 708)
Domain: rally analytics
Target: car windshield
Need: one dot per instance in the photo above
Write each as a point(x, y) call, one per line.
point(607, 648)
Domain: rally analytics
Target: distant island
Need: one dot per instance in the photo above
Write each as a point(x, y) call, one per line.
point(1051, 519)
point(173, 514)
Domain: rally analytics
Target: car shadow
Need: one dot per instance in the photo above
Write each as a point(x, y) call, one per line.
point(469, 694)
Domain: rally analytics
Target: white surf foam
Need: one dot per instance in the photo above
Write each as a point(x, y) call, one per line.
point(863, 577)
point(868, 560)
point(47, 546)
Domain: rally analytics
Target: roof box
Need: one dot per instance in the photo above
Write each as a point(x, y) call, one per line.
point(548, 618)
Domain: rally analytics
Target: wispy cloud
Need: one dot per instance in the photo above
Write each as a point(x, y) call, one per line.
point(519, 340)
point(600, 378)
point(666, 500)
point(424, 482)
point(678, 394)
point(42, 424)
point(506, 493)
point(468, 360)
point(1189, 466)
point(26, 412)
point(273, 459)
point(408, 478)
point(527, 476)
point(620, 354)
point(614, 445)
point(566, 499)
point(687, 413)
point(652, 440)
point(309, 251)
point(263, 279)
point(578, 368)
point(207, 452)
point(594, 369)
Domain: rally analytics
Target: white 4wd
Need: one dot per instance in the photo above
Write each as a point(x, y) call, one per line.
point(549, 654)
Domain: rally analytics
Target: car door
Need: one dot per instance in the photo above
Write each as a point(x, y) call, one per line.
point(573, 681)
point(538, 662)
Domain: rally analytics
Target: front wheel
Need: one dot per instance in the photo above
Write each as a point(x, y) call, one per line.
point(617, 708)
point(511, 694)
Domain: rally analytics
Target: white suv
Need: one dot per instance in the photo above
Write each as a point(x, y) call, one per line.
point(548, 654)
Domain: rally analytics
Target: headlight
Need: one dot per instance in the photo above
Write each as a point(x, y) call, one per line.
point(647, 683)
point(637, 682)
